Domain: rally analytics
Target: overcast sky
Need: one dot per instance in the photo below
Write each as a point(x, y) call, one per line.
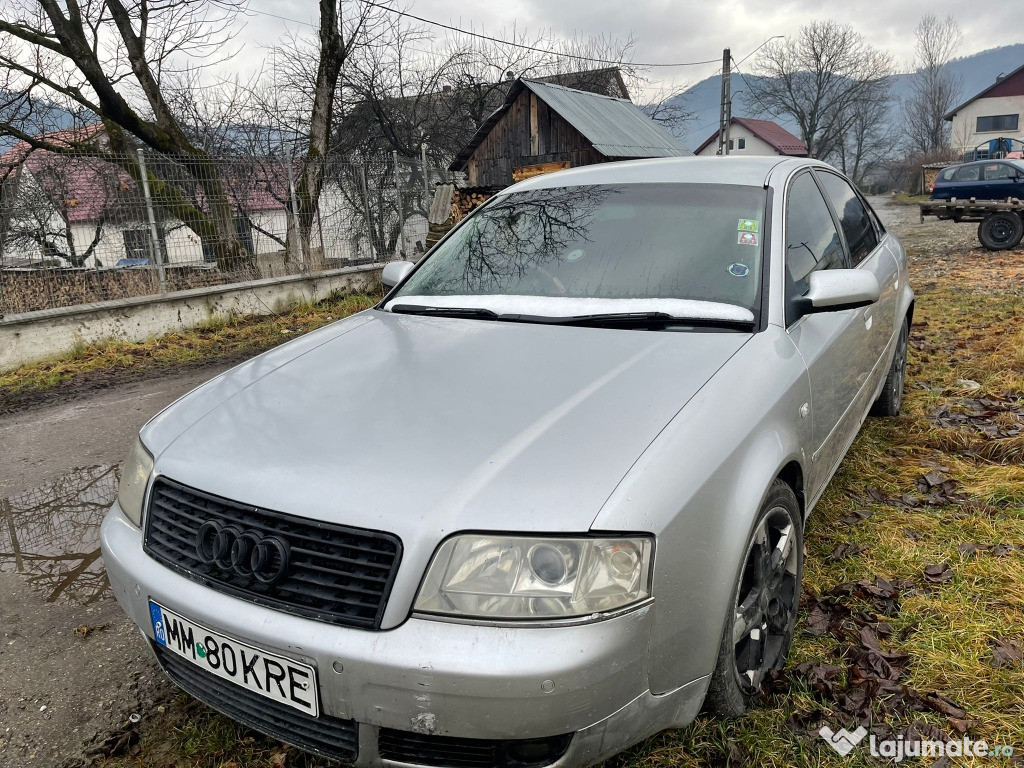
point(691, 30)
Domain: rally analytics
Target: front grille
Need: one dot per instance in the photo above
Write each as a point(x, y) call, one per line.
point(423, 749)
point(327, 736)
point(336, 574)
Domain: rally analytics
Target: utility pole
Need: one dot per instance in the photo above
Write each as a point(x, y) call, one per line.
point(725, 114)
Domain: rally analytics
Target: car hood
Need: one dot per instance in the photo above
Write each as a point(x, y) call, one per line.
point(422, 425)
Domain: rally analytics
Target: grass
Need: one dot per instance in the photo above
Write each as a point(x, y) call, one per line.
point(902, 198)
point(969, 327)
point(219, 338)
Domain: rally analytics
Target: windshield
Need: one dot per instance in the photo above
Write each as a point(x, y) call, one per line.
point(688, 249)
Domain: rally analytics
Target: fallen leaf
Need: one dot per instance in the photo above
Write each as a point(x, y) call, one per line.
point(938, 574)
point(844, 550)
point(1006, 653)
point(817, 621)
point(944, 706)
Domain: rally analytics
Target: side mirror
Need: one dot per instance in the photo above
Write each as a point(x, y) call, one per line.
point(832, 290)
point(394, 272)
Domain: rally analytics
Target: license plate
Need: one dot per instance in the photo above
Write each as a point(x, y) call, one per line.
point(267, 674)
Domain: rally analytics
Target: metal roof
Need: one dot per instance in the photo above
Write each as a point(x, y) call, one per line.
point(616, 128)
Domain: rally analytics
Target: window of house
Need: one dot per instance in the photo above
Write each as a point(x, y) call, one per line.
point(139, 245)
point(858, 228)
point(741, 143)
point(731, 143)
point(812, 240)
point(990, 123)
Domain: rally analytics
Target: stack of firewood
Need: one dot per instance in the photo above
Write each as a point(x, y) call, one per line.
point(465, 200)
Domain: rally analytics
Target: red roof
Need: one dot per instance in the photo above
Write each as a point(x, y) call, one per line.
point(1005, 85)
point(773, 134)
point(86, 189)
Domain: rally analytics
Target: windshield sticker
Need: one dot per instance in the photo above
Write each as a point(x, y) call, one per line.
point(747, 238)
point(739, 270)
point(747, 225)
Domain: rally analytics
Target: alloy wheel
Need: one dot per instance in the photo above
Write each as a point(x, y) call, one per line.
point(765, 600)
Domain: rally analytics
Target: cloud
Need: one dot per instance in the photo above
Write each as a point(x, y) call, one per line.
point(690, 30)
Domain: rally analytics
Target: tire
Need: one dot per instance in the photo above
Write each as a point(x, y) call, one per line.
point(759, 628)
point(890, 400)
point(1001, 231)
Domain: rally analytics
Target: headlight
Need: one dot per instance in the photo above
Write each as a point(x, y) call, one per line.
point(518, 577)
point(134, 476)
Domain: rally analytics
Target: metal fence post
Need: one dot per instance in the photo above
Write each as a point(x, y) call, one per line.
point(154, 235)
point(398, 201)
point(296, 223)
point(366, 211)
point(426, 179)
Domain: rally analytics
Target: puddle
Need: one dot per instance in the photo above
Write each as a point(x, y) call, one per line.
point(51, 534)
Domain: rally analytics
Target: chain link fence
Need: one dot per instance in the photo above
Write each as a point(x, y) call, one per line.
point(80, 228)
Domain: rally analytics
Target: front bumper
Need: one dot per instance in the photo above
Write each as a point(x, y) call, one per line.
point(433, 677)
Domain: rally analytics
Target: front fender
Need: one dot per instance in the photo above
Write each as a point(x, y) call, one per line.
point(698, 488)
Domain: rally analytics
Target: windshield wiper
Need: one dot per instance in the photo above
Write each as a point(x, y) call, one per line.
point(475, 313)
point(643, 320)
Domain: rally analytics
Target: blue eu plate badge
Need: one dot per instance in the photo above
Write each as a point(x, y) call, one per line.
point(159, 631)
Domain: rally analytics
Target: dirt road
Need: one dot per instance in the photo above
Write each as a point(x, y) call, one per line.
point(72, 669)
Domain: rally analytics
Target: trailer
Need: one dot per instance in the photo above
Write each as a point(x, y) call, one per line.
point(1001, 222)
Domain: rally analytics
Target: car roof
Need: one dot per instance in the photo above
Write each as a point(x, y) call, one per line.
point(748, 171)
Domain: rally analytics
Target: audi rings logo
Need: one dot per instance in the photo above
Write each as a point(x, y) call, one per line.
point(248, 554)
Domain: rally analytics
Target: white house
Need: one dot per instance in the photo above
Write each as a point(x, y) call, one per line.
point(756, 137)
point(989, 124)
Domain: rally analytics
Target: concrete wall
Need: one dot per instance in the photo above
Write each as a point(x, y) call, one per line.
point(36, 336)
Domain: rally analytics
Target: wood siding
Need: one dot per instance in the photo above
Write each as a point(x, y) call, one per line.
point(529, 133)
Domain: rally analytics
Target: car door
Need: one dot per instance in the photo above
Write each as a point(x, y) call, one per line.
point(1000, 181)
point(867, 251)
point(834, 345)
point(968, 183)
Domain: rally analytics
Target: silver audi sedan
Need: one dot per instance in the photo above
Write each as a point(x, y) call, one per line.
point(547, 498)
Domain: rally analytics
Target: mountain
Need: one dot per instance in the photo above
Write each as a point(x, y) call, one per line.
point(977, 71)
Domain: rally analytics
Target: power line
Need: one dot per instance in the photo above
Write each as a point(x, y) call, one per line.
point(482, 36)
point(523, 45)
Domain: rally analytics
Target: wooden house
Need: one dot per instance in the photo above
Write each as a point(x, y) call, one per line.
point(542, 126)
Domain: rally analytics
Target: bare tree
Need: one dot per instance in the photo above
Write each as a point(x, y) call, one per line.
point(867, 139)
point(934, 87)
point(121, 63)
point(142, 70)
point(818, 78)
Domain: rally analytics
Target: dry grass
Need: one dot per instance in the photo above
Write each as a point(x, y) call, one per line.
point(969, 325)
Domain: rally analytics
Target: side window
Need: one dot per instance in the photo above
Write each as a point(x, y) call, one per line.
point(853, 216)
point(948, 174)
point(968, 173)
point(812, 240)
point(996, 171)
